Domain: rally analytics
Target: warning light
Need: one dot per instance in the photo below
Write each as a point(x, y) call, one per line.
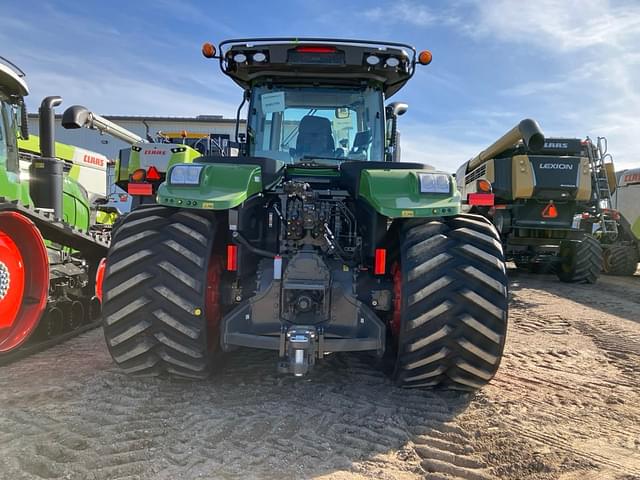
point(484, 185)
point(425, 57)
point(208, 50)
point(550, 211)
point(139, 175)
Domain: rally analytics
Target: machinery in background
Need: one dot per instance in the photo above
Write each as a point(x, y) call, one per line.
point(531, 190)
point(141, 168)
point(48, 258)
point(622, 253)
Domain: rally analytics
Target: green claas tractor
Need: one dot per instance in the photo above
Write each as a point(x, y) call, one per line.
point(48, 259)
point(313, 240)
point(140, 168)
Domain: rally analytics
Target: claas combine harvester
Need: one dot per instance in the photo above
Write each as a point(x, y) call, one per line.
point(532, 190)
point(313, 240)
point(48, 260)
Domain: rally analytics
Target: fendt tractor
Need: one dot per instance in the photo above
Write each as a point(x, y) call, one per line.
point(532, 189)
point(311, 241)
point(48, 261)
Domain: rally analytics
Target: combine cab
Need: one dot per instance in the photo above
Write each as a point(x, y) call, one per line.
point(313, 240)
point(532, 189)
point(48, 261)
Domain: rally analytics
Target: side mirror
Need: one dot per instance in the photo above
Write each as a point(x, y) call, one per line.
point(396, 109)
point(24, 121)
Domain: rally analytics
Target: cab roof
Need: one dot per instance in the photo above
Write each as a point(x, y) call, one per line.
point(318, 60)
point(11, 80)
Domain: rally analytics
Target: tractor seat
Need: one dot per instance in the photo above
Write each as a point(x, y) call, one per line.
point(314, 137)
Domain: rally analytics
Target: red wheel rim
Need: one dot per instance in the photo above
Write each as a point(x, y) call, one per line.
point(100, 278)
point(396, 271)
point(11, 280)
point(26, 264)
point(212, 301)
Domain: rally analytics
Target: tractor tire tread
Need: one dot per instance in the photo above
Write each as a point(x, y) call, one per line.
point(453, 305)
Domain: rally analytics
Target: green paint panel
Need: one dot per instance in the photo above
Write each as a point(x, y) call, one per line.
point(222, 186)
point(396, 194)
point(32, 145)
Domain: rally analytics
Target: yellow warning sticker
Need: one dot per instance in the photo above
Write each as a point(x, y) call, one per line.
point(207, 204)
point(407, 213)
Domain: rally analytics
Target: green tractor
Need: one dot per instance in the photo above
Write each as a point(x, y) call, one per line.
point(314, 240)
point(48, 260)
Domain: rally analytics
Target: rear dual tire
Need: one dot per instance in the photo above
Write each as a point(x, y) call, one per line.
point(452, 305)
point(160, 291)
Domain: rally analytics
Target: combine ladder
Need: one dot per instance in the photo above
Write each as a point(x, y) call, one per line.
point(597, 155)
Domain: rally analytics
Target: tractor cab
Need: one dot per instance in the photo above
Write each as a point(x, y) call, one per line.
point(319, 100)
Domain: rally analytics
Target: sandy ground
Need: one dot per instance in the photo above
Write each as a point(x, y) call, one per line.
point(564, 405)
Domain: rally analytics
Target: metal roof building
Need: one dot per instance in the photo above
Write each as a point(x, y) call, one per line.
point(109, 146)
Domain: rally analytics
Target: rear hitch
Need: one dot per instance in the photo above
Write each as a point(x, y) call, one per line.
point(299, 347)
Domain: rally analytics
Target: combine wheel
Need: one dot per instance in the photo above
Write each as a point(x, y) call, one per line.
point(450, 317)
point(620, 260)
point(580, 262)
point(24, 279)
point(161, 293)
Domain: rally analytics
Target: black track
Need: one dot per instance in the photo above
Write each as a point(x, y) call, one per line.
point(31, 348)
point(454, 303)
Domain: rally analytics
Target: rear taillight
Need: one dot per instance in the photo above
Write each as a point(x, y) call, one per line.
point(481, 199)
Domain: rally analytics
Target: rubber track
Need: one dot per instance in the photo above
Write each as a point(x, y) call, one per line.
point(154, 290)
point(33, 348)
point(454, 303)
point(587, 258)
point(621, 260)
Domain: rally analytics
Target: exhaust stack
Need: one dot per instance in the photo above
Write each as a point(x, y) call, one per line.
point(46, 172)
point(528, 131)
point(78, 116)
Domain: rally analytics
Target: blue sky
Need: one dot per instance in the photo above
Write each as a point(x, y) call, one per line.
point(572, 65)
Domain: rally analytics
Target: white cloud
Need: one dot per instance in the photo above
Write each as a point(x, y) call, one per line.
point(598, 93)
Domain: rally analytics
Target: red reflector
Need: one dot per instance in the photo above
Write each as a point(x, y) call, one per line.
point(311, 49)
point(232, 258)
point(380, 265)
point(550, 211)
point(140, 189)
point(153, 174)
point(481, 199)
